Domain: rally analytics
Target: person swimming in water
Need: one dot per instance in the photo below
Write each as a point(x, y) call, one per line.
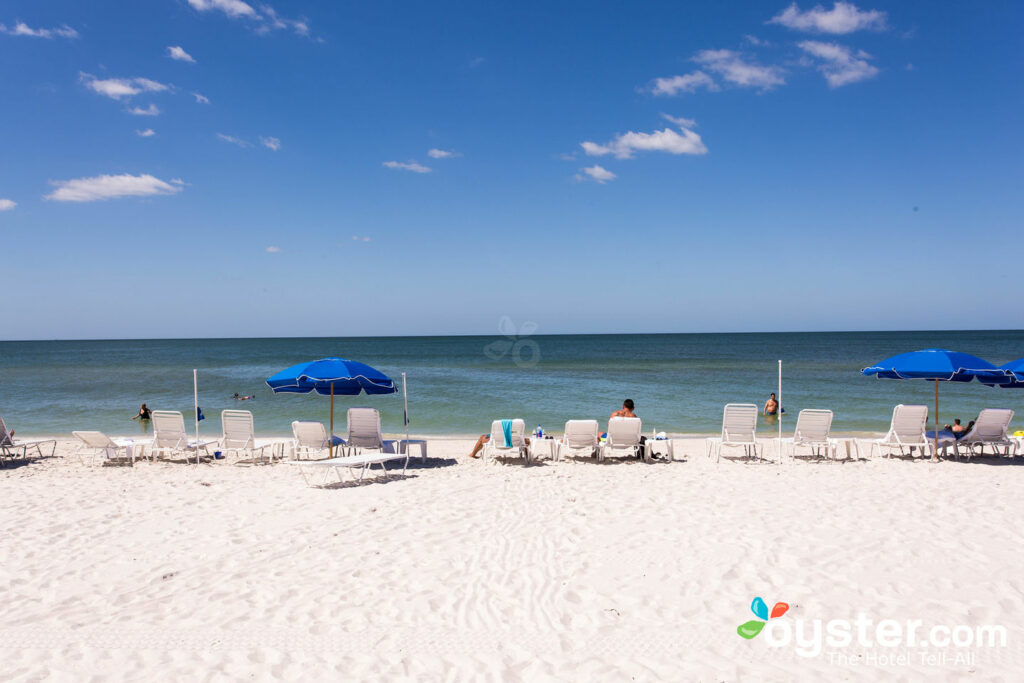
point(242, 398)
point(144, 413)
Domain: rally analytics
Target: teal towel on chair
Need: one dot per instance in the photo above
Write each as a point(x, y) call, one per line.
point(506, 430)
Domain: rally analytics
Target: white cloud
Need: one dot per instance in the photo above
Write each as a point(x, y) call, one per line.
point(117, 88)
point(22, 29)
point(151, 110)
point(735, 68)
point(148, 133)
point(844, 17)
point(200, 98)
point(232, 8)
point(839, 63)
point(111, 187)
point(598, 174)
point(270, 143)
point(624, 146)
point(688, 83)
point(408, 166)
point(263, 21)
point(680, 121)
point(442, 154)
point(566, 156)
point(273, 250)
point(276, 21)
point(755, 41)
point(360, 238)
point(233, 140)
point(7, 204)
point(177, 52)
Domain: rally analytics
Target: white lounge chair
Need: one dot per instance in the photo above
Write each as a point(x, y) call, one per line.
point(99, 444)
point(516, 447)
point(238, 434)
point(739, 430)
point(990, 429)
point(623, 438)
point(311, 440)
point(362, 462)
point(364, 432)
point(580, 439)
point(906, 432)
point(9, 446)
point(812, 431)
point(171, 438)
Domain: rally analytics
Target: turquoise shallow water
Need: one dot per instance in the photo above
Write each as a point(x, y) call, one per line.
point(457, 385)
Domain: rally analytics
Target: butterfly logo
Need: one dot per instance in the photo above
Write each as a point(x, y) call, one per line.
point(760, 610)
point(525, 352)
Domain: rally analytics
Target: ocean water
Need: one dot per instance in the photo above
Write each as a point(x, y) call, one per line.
point(457, 385)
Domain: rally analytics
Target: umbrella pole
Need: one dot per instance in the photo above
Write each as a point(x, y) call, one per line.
point(195, 398)
point(935, 445)
point(332, 420)
point(405, 412)
point(780, 412)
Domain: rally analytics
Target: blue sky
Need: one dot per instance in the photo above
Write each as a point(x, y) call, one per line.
point(339, 168)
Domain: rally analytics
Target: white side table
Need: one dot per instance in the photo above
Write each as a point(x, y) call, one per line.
point(403, 446)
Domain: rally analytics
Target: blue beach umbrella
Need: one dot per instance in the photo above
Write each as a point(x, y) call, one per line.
point(937, 365)
point(330, 377)
point(1014, 375)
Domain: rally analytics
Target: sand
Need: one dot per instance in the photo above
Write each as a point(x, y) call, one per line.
point(466, 571)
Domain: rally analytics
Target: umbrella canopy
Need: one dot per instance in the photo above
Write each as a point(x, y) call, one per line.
point(331, 376)
point(937, 365)
point(1014, 371)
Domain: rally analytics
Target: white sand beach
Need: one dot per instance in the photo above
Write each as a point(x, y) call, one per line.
point(466, 571)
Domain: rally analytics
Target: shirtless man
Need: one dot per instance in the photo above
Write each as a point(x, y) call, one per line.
point(771, 406)
point(625, 411)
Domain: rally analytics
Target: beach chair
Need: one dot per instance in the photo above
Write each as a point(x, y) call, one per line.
point(99, 444)
point(905, 433)
point(311, 440)
point(238, 434)
point(515, 447)
point(9, 446)
point(812, 431)
point(364, 432)
point(623, 438)
point(990, 429)
point(739, 430)
point(580, 439)
point(359, 462)
point(171, 438)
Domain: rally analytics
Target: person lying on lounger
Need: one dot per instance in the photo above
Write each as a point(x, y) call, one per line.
point(484, 438)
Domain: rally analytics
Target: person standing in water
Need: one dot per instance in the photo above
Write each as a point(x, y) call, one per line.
point(144, 413)
point(771, 406)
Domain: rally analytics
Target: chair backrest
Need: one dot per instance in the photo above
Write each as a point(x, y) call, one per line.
point(498, 434)
point(991, 425)
point(813, 425)
point(238, 429)
point(310, 434)
point(908, 424)
point(95, 439)
point(5, 436)
point(364, 428)
point(624, 431)
point(739, 422)
point(581, 433)
point(168, 429)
